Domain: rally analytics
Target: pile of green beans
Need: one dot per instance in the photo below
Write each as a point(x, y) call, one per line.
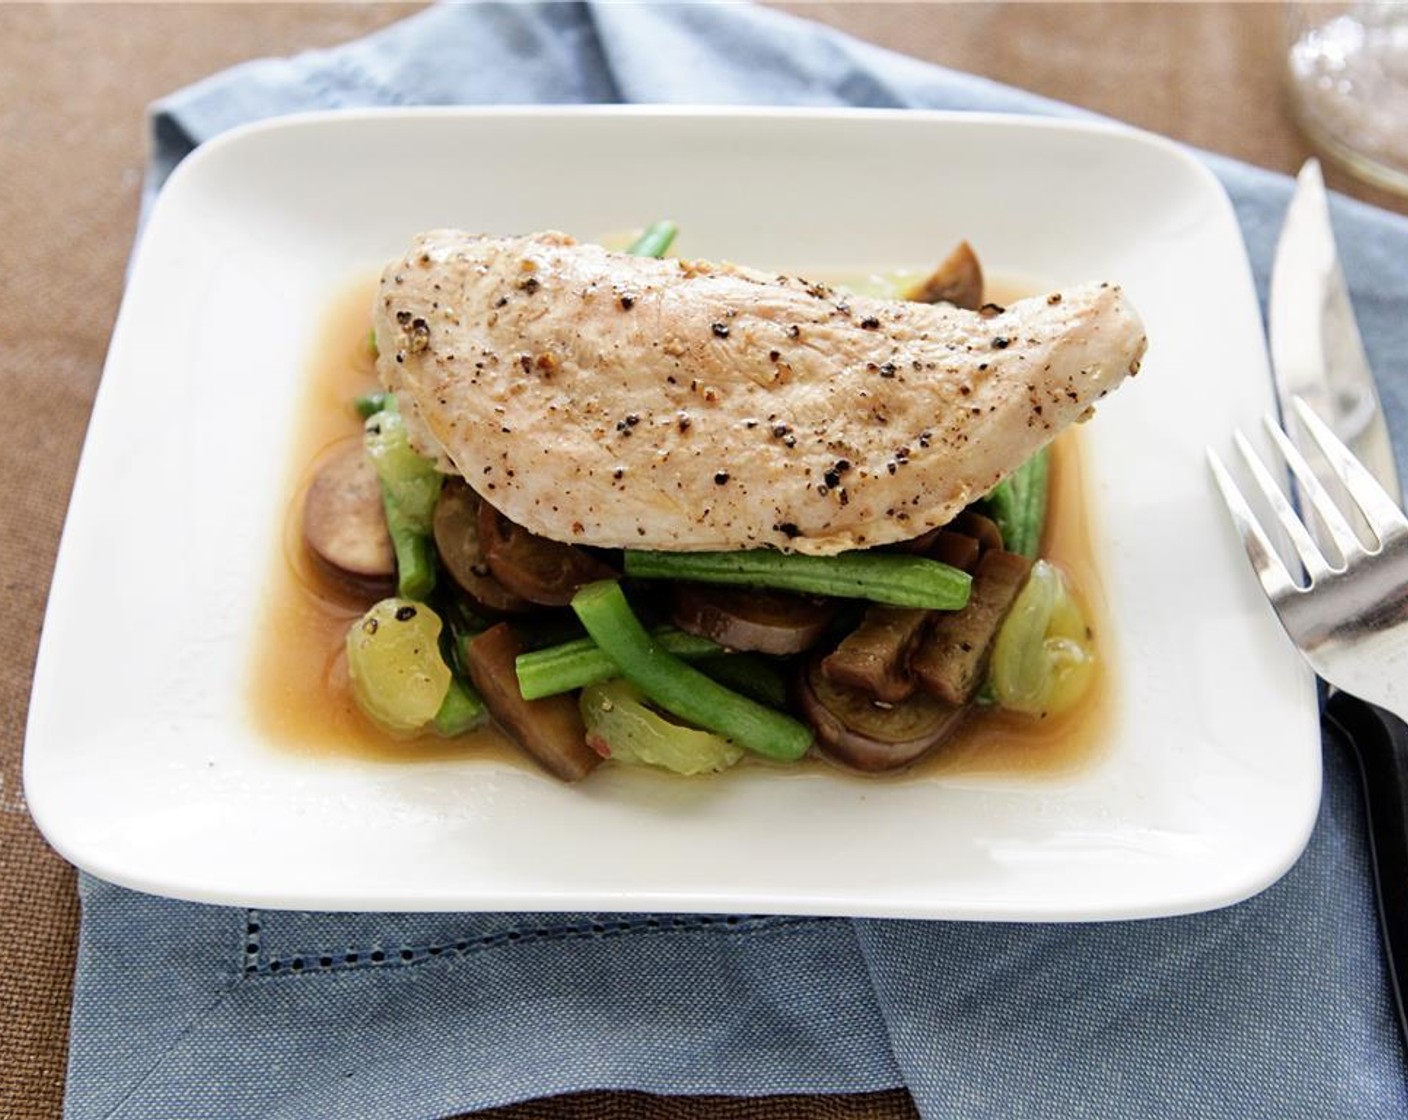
point(678, 688)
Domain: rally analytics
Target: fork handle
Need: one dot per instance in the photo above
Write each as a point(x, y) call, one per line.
point(1379, 740)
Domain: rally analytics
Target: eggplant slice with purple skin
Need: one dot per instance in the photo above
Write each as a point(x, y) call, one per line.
point(542, 571)
point(855, 730)
point(550, 729)
point(874, 657)
point(983, 529)
point(344, 523)
point(952, 660)
point(456, 529)
point(769, 622)
point(958, 550)
point(958, 280)
point(945, 544)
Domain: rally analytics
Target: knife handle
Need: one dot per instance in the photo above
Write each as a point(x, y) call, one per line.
point(1379, 740)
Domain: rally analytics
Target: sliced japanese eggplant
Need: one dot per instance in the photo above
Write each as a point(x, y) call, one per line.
point(983, 529)
point(550, 729)
point(959, 543)
point(952, 660)
point(958, 280)
point(872, 736)
point(542, 571)
point(874, 657)
point(744, 619)
point(958, 550)
point(344, 523)
point(456, 529)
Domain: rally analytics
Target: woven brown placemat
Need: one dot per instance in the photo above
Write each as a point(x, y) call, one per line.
point(74, 81)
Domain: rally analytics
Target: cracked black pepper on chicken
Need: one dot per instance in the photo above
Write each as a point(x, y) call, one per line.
point(605, 399)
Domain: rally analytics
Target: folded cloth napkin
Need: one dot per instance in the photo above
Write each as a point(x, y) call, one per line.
point(1277, 1007)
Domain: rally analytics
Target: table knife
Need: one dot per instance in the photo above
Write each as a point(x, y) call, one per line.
point(1317, 353)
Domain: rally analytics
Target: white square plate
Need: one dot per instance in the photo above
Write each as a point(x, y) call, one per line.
point(142, 764)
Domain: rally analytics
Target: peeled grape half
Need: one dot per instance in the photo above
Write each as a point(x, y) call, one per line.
point(393, 657)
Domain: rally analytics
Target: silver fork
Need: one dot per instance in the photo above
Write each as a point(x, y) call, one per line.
point(1350, 617)
point(1350, 620)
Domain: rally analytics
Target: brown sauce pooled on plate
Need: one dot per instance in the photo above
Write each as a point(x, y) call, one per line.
point(298, 688)
point(299, 693)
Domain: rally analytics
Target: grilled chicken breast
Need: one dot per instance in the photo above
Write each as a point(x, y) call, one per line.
point(604, 399)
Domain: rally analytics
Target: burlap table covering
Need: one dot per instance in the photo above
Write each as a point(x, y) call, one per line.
point(74, 80)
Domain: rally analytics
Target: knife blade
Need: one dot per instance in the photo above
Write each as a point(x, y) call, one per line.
point(1317, 353)
point(1316, 349)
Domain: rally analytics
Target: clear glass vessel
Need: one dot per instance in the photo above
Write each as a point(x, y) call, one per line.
point(1347, 75)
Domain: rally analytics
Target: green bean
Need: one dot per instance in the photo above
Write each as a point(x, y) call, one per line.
point(676, 687)
point(655, 241)
point(879, 577)
point(749, 673)
point(1018, 504)
point(462, 710)
point(369, 404)
point(576, 664)
point(410, 487)
point(414, 548)
point(543, 629)
point(462, 625)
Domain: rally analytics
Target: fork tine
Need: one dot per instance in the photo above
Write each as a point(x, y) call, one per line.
point(1346, 540)
point(1310, 555)
point(1275, 579)
point(1384, 518)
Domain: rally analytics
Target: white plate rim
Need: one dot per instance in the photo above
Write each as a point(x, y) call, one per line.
point(54, 827)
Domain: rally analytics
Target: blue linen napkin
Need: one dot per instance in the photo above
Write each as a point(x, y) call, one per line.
point(1277, 1007)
